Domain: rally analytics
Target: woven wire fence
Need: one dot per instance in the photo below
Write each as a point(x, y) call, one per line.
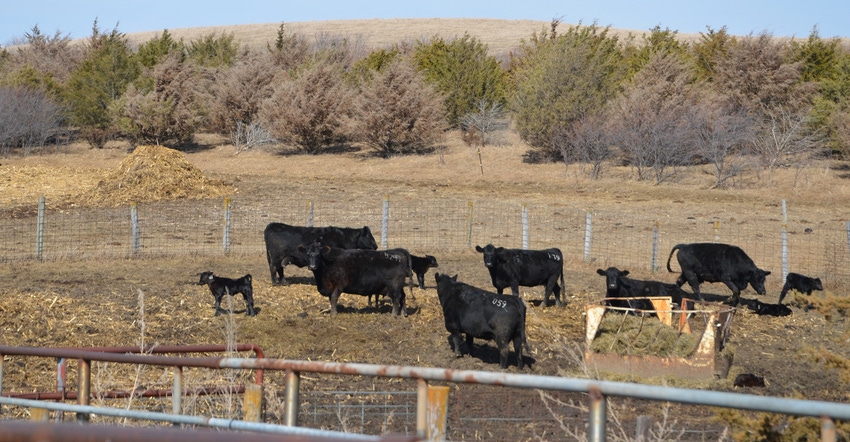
point(638, 241)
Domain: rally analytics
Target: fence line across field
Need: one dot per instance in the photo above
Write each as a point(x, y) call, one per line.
point(427, 225)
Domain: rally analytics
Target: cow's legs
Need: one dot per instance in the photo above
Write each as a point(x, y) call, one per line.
point(736, 292)
point(218, 304)
point(454, 340)
point(558, 291)
point(514, 289)
point(249, 303)
point(469, 347)
point(693, 281)
point(518, 351)
point(334, 298)
point(504, 351)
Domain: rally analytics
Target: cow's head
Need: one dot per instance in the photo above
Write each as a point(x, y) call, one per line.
point(444, 284)
point(612, 276)
point(314, 254)
point(489, 254)
point(366, 240)
point(206, 278)
point(757, 280)
point(432, 262)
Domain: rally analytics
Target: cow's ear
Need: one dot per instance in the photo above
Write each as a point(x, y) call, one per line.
point(479, 249)
point(600, 271)
point(210, 277)
point(301, 248)
point(766, 272)
point(625, 273)
point(326, 250)
point(454, 278)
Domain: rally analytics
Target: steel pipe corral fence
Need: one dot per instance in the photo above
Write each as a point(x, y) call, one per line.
point(597, 390)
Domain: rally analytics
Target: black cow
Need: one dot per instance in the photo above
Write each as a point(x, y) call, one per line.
point(420, 266)
point(749, 380)
point(282, 241)
point(800, 283)
point(359, 272)
point(528, 268)
point(711, 262)
point(762, 308)
point(619, 285)
point(225, 286)
point(484, 315)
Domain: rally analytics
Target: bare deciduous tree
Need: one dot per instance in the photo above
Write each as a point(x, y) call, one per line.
point(586, 142)
point(482, 126)
point(722, 133)
point(246, 136)
point(648, 120)
point(784, 135)
point(28, 119)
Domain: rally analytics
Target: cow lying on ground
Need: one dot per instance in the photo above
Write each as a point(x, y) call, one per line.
point(800, 283)
point(762, 308)
point(282, 241)
point(225, 286)
point(528, 268)
point(420, 266)
point(359, 272)
point(619, 285)
point(484, 315)
point(711, 262)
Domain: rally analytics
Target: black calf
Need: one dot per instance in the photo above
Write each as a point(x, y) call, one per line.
point(220, 286)
point(800, 283)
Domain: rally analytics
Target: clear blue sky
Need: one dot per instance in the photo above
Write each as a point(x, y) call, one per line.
point(779, 17)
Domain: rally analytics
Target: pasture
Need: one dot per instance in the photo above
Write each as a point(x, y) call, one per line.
point(112, 302)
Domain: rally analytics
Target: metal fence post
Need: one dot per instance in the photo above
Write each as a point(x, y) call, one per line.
point(385, 223)
point(134, 220)
point(469, 225)
point(654, 264)
point(524, 227)
point(39, 230)
point(177, 392)
point(226, 237)
point(290, 417)
point(84, 387)
point(784, 240)
point(598, 415)
point(588, 230)
point(422, 408)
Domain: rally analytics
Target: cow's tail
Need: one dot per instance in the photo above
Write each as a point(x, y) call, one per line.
point(524, 339)
point(676, 247)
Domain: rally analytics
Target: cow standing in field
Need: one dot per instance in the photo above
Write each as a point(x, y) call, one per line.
point(481, 314)
point(800, 283)
point(712, 262)
point(282, 241)
point(420, 266)
point(619, 285)
point(359, 272)
point(528, 268)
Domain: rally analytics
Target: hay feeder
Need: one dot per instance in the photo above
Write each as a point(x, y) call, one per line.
point(686, 342)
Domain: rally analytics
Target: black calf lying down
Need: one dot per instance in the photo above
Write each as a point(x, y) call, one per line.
point(220, 286)
point(749, 380)
point(762, 308)
point(800, 283)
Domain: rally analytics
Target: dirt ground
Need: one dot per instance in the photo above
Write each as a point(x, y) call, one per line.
point(158, 301)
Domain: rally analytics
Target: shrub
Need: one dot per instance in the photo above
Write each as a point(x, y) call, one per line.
point(397, 113)
point(28, 118)
point(233, 96)
point(463, 72)
point(309, 109)
point(561, 78)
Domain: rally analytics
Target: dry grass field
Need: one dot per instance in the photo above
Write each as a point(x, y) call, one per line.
point(82, 303)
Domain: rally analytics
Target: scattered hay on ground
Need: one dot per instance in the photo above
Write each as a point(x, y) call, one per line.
point(153, 173)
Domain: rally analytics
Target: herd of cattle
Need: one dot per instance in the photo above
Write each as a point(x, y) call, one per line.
point(347, 260)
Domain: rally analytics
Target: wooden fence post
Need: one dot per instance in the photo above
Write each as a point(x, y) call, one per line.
point(39, 230)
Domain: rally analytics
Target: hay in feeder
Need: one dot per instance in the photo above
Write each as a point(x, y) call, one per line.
point(642, 336)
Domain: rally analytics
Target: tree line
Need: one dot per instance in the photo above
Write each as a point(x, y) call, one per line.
point(580, 95)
